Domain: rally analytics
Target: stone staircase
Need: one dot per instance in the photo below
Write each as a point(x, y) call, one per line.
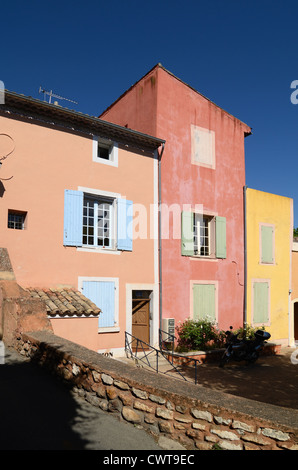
point(148, 361)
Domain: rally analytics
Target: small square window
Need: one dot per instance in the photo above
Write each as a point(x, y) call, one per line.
point(105, 151)
point(16, 220)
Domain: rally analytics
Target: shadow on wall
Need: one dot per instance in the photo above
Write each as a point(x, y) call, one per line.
point(37, 411)
point(2, 189)
point(272, 379)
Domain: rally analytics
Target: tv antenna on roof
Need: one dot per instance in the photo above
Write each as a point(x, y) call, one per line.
point(53, 95)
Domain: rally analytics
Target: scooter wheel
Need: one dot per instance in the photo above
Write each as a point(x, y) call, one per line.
point(254, 357)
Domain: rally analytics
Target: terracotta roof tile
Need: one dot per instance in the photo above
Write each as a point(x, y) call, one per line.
point(65, 302)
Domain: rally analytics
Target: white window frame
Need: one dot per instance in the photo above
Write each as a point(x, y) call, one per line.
point(106, 143)
point(96, 193)
point(211, 216)
point(209, 225)
point(116, 327)
point(96, 202)
point(13, 217)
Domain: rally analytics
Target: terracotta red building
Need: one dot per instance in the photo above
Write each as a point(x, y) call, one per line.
point(201, 180)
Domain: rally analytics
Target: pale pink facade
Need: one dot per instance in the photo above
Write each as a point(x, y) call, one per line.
point(202, 167)
point(52, 150)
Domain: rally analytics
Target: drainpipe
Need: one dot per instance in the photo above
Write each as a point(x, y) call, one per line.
point(291, 334)
point(290, 307)
point(245, 256)
point(159, 235)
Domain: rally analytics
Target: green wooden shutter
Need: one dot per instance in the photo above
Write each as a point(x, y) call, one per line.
point(187, 234)
point(220, 237)
point(266, 244)
point(204, 302)
point(261, 302)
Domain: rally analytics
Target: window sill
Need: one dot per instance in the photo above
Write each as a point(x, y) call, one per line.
point(205, 258)
point(259, 325)
point(105, 161)
point(109, 329)
point(89, 249)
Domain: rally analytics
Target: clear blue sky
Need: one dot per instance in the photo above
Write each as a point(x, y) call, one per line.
point(242, 55)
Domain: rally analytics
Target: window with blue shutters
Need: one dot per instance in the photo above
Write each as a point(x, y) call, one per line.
point(95, 221)
point(104, 293)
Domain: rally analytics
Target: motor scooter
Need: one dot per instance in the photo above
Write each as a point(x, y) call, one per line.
point(239, 349)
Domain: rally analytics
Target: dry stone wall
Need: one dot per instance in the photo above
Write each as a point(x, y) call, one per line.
point(188, 416)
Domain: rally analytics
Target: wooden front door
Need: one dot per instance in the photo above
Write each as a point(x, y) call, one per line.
point(140, 321)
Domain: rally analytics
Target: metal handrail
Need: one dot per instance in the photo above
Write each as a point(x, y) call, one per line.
point(169, 339)
point(173, 354)
point(139, 346)
point(147, 350)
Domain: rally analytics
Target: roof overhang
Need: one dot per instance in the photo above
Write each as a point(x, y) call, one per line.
point(55, 114)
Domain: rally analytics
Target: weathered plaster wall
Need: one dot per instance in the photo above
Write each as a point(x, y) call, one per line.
point(277, 211)
point(166, 107)
point(47, 160)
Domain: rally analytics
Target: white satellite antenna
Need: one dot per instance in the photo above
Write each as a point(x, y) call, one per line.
point(53, 95)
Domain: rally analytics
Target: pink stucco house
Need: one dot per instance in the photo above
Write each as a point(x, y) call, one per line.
point(202, 175)
point(70, 187)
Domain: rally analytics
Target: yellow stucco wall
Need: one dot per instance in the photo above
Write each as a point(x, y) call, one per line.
point(276, 211)
point(294, 298)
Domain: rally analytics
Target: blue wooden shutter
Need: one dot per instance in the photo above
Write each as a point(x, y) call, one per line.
point(187, 233)
point(73, 218)
point(124, 224)
point(102, 293)
point(220, 237)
